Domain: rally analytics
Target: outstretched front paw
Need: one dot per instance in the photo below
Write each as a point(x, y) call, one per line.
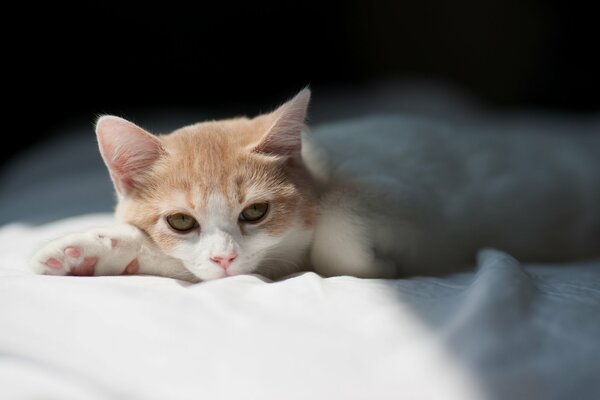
point(70, 260)
point(99, 252)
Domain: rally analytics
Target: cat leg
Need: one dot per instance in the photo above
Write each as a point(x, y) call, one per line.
point(116, 250)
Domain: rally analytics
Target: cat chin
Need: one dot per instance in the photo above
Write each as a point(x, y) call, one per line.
point(209, 273)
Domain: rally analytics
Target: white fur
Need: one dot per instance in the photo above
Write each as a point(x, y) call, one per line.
point(217, 236)
point(277, 257)
point(131, 243)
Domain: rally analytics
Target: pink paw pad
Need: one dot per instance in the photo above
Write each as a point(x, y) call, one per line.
point(54, 263)
point(73, 252)
point(132, 268)
point(86, 268)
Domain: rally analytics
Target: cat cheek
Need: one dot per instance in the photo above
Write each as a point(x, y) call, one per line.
point(189, 253)
point(242, 267)
point(165, 240)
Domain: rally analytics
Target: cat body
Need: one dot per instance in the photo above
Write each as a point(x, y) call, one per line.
point(374, 197)
point(416, 196)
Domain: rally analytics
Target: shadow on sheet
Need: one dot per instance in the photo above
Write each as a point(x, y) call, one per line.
point(524, 333)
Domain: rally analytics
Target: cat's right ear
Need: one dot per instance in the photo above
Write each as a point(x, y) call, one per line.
point(284, 136)
point(127, 150)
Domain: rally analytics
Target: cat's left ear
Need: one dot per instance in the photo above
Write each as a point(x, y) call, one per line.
point(284, 136)
point(128, 151)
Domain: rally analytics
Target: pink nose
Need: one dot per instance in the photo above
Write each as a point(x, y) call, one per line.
point(224, 261)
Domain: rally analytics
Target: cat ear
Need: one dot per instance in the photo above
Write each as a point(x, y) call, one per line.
point(283, 138)
point(127, 150)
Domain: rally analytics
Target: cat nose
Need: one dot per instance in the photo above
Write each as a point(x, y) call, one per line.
point(224, 261)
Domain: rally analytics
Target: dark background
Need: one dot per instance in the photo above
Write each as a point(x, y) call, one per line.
point(73, 63)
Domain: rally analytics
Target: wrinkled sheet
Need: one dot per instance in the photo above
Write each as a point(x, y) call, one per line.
point(504, 331)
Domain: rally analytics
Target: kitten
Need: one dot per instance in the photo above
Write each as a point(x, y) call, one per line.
point(373, 197)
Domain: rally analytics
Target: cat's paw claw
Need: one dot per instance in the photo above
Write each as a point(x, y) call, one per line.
point(106, 239)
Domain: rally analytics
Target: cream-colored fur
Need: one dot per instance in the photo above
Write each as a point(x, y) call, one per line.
point(373, 197)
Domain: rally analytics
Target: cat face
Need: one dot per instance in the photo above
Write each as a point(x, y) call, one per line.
point(225, 197)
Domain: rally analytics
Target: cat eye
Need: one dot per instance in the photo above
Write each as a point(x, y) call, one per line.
point(182, 222)
point(254, 213)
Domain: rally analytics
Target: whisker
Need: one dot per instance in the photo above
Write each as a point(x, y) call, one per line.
point(284, 260)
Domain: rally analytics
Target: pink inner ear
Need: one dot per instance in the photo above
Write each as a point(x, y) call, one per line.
point(284, 137)
point(126, 149)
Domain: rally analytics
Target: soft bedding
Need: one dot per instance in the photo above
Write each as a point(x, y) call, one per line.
point(502, 331)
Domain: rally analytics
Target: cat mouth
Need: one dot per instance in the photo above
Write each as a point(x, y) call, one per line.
point(210, 272)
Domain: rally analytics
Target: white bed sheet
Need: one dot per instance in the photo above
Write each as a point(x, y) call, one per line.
point(504, 331)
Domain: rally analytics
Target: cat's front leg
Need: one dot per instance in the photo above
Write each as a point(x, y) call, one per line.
point(117, 250)
point(108, 251)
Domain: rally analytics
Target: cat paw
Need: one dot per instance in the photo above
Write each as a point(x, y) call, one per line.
point(99, 252)
point(70, 261)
